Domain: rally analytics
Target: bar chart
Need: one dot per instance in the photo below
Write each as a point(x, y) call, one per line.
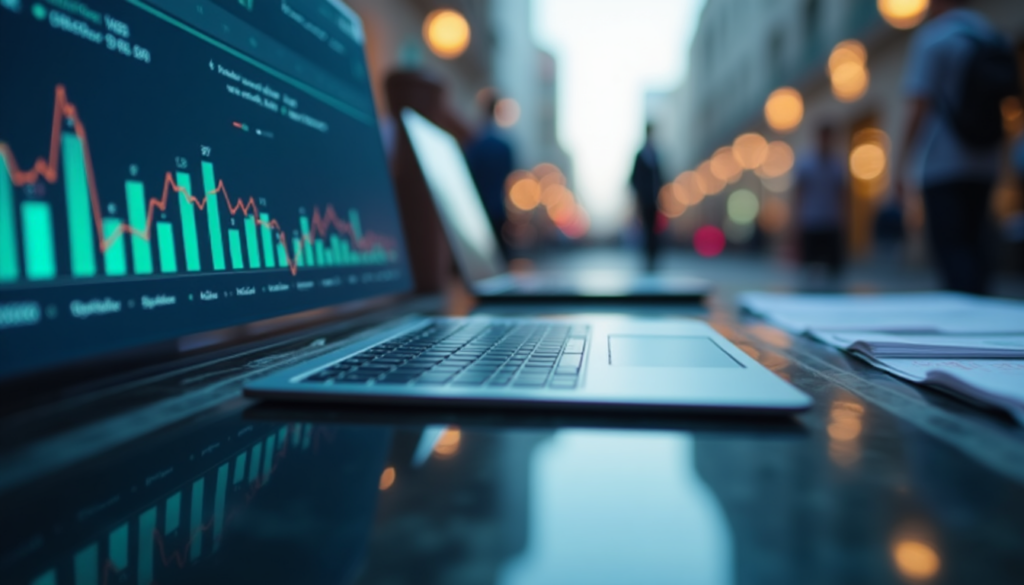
point(190, 225)
point(185, 526)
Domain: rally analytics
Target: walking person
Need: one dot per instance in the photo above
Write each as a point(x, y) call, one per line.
point(490, 159)
point(820, 202)
point(959, 69)
point(647, 181)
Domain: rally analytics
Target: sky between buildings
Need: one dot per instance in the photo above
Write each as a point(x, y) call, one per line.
point(610, 53)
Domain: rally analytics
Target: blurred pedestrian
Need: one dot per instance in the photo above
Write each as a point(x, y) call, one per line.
point(490, 160)
point(820, 203)
point(647, 182)
point(959, 69)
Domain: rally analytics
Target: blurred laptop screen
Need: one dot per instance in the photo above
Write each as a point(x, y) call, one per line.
point(171, 167)
point(458, 202)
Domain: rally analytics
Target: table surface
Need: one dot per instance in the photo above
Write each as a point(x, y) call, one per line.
point(881, 482)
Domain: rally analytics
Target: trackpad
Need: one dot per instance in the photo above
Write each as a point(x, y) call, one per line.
point(667, 352)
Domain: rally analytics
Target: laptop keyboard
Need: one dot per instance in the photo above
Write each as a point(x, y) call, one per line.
point(495, 355)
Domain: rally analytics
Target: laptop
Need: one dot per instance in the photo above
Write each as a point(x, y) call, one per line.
point(205, 174)
point(478, 253)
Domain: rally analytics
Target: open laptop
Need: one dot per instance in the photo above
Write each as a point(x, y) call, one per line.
point(478, 253)
point(232, 180)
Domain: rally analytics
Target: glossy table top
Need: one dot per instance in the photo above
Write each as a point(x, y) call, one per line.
point(881, 482)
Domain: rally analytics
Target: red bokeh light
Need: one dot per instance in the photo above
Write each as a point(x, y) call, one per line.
point(660, 223)
point(709, 241)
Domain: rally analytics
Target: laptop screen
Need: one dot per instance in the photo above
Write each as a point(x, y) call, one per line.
point(462, 213)
point(172, 167)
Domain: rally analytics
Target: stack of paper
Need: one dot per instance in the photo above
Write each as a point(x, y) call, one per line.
point(935, 312)
point(889, 345)
point(968, 345)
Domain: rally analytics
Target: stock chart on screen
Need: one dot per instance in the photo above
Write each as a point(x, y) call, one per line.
point(171, 167)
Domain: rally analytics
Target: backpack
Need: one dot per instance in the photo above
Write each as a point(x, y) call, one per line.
point(990, 76)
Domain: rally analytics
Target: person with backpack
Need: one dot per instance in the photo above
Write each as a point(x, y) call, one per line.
point(959, 70)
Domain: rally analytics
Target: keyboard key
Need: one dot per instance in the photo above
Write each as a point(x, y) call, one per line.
point(571, 361)
point(574, 345)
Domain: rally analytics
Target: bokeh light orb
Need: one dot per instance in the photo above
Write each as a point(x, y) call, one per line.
point(903, 14)
point(848, 51)
point(867, 161)
point(690, 189)
point(743, 206)
point(525, 193)
point(446, 33)
point(709, 183)
point(671, 200)
point(506, 112)
point(709, 241)
point(724, 166)
point(916, 560)
point(850, 82)
point(778, 161)
point(750, 150)
point(784, 109)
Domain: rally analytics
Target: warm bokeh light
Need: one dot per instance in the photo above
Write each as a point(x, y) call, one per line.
point(525, 192)
point(709, 241)
point(903, 14)
point(448, 444)
point(916, 560)
point(850, 82)
point(778, 160)
point(848, 51)
point(781, 184)
point(750, 150)
point(784, 109)
point(867, 161)
point(507, 112)
point(1013, 121)
point(543, 170)
point(691, 191)
point(743, 206)
point(554, 194)
point(724, 166)
point(387, 478)
point(671, 200)
point(708, 182)
point(446, 33)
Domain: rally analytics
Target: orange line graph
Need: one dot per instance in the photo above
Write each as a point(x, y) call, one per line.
point(47, 170)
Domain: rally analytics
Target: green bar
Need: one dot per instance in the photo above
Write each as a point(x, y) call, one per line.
point(213, 216)
point(282, 436)
point(254, 463)
point(328, 257)
point(268, 459)
point(346, 254)
point(117, 547)
point(356, 224)
point(307, 434)
point(320, 259)
point(47, 578)
point(297, 251)
point(296, 434)
point(142, 246)
point(268, 239)
point(80, 227)
point(282, 255)
point(172, 513)
point(8, 234)
point(220, 492)
point(147, 526)
point(307, 246)
point(115, 262)
point(87, 565)
point(165, 244)
point(190, 238)
point(37, 231)
point(235, 246)
point(250, 242)
point(195, 528)
point(339, 260)
point(240, 467)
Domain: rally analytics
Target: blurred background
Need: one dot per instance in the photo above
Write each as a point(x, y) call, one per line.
point(552, 99)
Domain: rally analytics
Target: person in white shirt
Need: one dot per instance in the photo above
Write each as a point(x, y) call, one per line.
point(955, 177)
point(820, 202)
